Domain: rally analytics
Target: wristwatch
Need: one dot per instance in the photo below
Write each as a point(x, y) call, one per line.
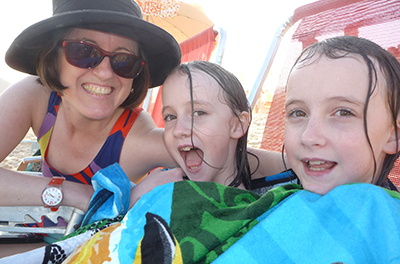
point(52, 194)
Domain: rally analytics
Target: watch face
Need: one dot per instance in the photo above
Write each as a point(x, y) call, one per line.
point(52, 196)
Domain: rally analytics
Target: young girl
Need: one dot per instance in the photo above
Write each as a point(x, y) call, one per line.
point(207, 117)
point(342, 109)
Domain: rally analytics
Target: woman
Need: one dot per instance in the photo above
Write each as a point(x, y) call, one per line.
point(81, 106)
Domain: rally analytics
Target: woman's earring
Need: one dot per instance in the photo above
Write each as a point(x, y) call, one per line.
point(132, 90)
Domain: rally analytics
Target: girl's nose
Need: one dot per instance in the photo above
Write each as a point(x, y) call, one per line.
point(104, 70)
point(182, 127)
point(313, 134)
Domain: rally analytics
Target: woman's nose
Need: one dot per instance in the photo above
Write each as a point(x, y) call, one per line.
point(103, 70)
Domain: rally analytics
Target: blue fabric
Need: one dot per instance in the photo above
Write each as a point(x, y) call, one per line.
point(356, 223)
point(112, 194)
point(126, 239)
point(287, 175)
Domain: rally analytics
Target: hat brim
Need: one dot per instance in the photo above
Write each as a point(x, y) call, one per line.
point(160, 48)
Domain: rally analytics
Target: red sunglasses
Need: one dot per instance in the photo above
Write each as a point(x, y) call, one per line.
point(87, 56)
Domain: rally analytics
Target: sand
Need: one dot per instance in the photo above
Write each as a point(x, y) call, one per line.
point(21, 151)
point(24, 150)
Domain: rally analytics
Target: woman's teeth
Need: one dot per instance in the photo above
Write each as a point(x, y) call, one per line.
point(97, 90)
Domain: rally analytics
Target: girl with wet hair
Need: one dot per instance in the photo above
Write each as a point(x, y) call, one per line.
point(342, 111)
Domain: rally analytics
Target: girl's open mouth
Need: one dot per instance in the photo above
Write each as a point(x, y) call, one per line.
point(193, 157)
point(319, 165)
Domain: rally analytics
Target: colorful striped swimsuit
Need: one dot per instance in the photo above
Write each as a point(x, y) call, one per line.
point(109, 153)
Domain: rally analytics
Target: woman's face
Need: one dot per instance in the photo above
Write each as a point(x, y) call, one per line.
point(214, 134)
point(97, 92)
point(325, 136)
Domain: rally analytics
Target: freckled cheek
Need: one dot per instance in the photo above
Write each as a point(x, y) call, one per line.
point(291, 145)
point(294, 146)
point(292, 137)
point(168, 136)
point(171, 146)
point(355, 154)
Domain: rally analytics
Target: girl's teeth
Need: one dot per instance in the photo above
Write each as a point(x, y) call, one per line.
point(319, 165)
point(186, 149)
point(316, 169)
point(318, 162)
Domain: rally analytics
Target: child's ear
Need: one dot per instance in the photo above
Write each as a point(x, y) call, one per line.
point(390, 147)
point(240, 125)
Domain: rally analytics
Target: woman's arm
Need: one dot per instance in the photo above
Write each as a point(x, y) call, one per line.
point(19, 105)
point(23, 106)
point(270, 162)
point(17, 189)
point(144, 149)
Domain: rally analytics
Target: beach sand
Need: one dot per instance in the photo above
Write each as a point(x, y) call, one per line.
point(24, 150)
point(21, 151)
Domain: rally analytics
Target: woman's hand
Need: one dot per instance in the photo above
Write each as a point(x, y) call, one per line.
point(155, 178)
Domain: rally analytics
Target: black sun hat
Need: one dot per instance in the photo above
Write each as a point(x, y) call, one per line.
point(121, 17)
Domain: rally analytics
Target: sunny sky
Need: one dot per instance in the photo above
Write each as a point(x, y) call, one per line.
point(250, 26)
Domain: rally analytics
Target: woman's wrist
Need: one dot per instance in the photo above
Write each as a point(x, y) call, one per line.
point(77, 195)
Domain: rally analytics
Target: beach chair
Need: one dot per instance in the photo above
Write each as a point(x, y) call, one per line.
point(376, 20)
point(31, 164)
point(14, 218)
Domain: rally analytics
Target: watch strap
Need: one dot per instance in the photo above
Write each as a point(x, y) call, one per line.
point(56, 181)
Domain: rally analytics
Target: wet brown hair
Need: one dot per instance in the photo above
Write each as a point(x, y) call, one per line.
point(235, 97)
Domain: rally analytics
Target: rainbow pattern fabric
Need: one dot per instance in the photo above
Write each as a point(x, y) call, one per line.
point(109, 153)
point(204, 222)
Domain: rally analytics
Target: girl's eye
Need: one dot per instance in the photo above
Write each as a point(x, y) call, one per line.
point(199, 113)
point(296, 113)
point(344, 112)
point(169, 118)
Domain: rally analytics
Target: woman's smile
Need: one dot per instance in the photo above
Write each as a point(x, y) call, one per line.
point(97, 90)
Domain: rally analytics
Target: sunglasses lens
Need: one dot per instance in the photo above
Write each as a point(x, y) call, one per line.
point(86, 56)
point(127, 66)
point(82, 55)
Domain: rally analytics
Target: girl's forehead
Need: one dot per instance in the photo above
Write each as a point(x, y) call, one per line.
point(204, 87)
point(201, 82)
point(325, 78)
point(334, 80)
point(353, 61)
point(327, 72)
